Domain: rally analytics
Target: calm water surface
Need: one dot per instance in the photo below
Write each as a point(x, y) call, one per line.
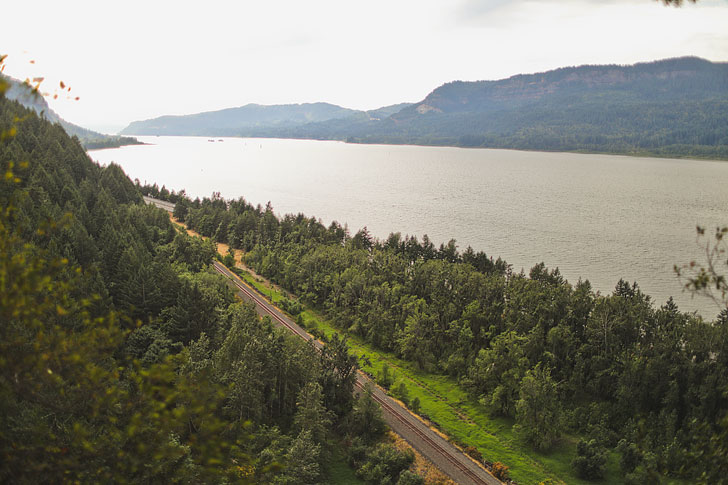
point(595, 217)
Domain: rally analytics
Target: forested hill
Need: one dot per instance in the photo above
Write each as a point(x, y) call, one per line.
point(674, 107)
point(26, 96)
point(687, 78)
point(234, 121)
point(124, 358)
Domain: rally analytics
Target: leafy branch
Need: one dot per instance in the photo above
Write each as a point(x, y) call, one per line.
point(708, 279)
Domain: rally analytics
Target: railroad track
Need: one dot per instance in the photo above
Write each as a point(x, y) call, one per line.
point(393, 410)
point(264, 305)
point(423, 436)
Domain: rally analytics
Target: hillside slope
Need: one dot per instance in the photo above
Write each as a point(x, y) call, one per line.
point(676, 107)
point(673, 107)
point(90, 139)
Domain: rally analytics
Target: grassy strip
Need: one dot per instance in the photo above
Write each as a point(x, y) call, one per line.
point(452, 410)
point(339, 472)
point(456, 413)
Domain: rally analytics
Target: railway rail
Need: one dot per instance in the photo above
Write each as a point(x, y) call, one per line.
point(393, 411)
point(465, 470)
point(445, 456)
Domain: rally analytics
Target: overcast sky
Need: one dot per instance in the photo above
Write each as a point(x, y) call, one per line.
point(136, 60)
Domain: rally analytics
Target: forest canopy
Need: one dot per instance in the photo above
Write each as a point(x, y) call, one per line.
point(644, 380)
point(125, 358)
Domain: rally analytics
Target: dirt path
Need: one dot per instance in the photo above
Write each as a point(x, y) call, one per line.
point(224, 249)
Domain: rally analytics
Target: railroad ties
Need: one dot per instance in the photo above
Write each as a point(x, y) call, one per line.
point(451, 461)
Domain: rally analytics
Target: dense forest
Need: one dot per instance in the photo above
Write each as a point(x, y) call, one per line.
point(618, 370)
point(125, 358)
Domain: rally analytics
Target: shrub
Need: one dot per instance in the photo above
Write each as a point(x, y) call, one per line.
point(356, 452)
point(473, 452)
point(400, 392)
point(590, 462)
point(385, 378)
point(384, 464)
point(630, 456)
point(409, 478)
point(500, 471)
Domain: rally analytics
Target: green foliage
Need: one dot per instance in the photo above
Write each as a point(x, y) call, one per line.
point(196, 310)
point(118, 185)
point(70, 413)
point(149, 344)
point(229, 260)
point(409, 478)
point(400, 392)
point(366, 419)
point(385, 379)
point(709, 278)
point(385, 464)
point(106, 141)
point(474, 453)
point(311, 414)
point(196, 253)
point(302, 462)
point(123, 358)
point(538, 411)
point(711, 453)
point(630, 456)
point(618, 359)
point(457, 414)
point(590, 461)
point(415, 405)
point(497, 373)
point(292, 307)
point(338, 374)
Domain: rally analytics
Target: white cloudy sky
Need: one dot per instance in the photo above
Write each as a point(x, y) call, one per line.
point(140, 59)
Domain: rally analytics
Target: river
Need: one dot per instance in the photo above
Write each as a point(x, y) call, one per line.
point(595, 217)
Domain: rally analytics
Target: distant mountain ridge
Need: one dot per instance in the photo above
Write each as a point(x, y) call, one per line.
point(232, 121)
point(90, 139)
point(685, 77)
point(672, 107)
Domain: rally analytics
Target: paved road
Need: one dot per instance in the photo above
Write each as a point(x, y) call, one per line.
point(446, 457)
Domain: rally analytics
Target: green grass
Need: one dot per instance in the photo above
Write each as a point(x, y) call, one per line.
point(457, 414)
point(339, 471)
